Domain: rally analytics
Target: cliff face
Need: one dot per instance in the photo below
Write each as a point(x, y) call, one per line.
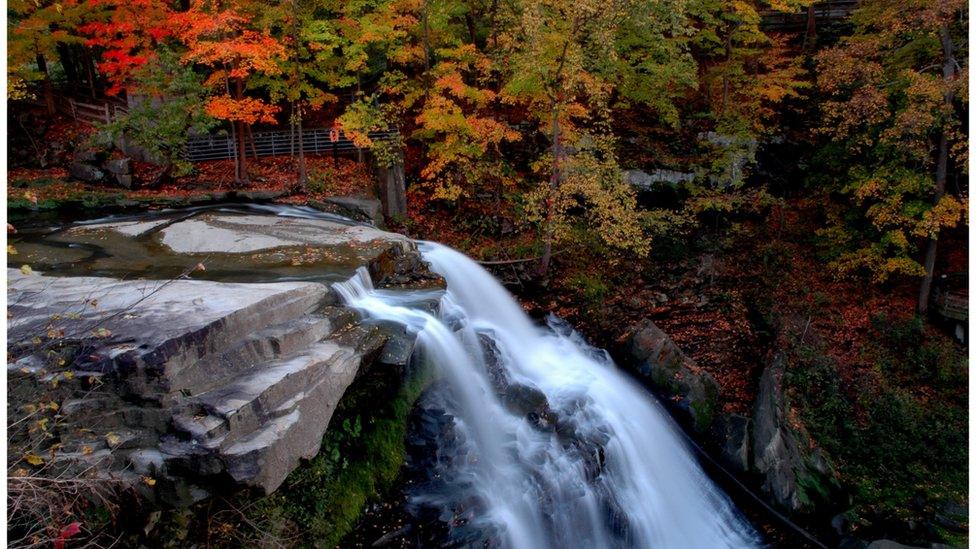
point(182, 388)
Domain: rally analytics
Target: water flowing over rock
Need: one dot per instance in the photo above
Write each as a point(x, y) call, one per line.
point(536, 439)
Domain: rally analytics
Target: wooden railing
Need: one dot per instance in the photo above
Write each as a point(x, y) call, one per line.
point(94, 113)
point(824, 12)
point(273, 143)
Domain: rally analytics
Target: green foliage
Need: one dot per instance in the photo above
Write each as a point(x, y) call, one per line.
point(168, 109)
point(897, 432)
point(367, 115)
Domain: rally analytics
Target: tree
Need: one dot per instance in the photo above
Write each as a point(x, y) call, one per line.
point(170, 106)
point(129, 33)
point(901, 122)
point(34, 31)
point(218, 35)
point(567, 61)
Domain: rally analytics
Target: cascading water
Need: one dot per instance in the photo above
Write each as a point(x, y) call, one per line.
point(555, 447)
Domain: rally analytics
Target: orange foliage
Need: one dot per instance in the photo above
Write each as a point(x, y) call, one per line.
point(247, 109)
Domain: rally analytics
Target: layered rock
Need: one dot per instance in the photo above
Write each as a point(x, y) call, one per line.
point(199, 385)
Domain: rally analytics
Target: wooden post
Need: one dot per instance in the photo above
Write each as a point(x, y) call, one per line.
point(108, 114)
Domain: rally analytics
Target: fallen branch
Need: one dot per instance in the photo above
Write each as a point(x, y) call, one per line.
point(516, 261)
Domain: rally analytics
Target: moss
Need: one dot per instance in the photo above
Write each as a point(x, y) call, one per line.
point(361, 456)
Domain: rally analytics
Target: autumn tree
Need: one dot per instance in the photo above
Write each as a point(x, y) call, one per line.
point(566, 66)
point(170, 106)
point(128, 33)
point(220, 36)
point(896, 94)
point(35, 30)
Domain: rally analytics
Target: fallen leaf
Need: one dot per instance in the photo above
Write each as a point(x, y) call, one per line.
point(33, 459)
point(68, 531)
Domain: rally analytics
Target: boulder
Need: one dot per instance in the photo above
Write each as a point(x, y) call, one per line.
point(85, 172)
point(796, 473)
point(644, 181)
point(213, 233)
point(677, 378)
point(888, 544)
point(118, 166)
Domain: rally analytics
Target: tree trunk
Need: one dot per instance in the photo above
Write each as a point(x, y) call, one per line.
point(68, 61)
point(941, 173)
point(241, 141)
point(250, 137)
point(90, 67)
point(48, 85)
point(302, 169)
point(242, 153)
point(811, 35)
point(554, 179)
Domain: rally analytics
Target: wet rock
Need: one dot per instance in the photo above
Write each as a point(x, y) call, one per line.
point(796, 476)
point(396, 267)
point(655, 357)
point(732, 432)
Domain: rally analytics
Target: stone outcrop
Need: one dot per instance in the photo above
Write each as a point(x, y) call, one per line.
point(92, 167)
point(652, 354)
point(656, 180)
point(359, 209)
point(796, 474)
point(203, 385)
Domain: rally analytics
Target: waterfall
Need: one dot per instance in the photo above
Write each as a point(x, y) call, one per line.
point(557, 448)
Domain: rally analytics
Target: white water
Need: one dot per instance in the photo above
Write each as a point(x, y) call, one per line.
point(622, 478)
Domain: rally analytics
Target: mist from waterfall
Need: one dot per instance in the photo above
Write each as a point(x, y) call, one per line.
point(557, 447)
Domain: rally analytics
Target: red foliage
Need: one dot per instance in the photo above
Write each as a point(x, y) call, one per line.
point(133, 29)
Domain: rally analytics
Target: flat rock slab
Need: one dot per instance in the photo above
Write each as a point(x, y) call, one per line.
point(233, 246)
point(212, 233)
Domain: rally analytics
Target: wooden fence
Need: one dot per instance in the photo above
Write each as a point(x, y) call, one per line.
point(94, 113)
point(273, 143)
point(825, 12)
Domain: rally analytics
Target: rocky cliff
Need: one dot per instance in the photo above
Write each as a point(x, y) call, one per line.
point(180, 387)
